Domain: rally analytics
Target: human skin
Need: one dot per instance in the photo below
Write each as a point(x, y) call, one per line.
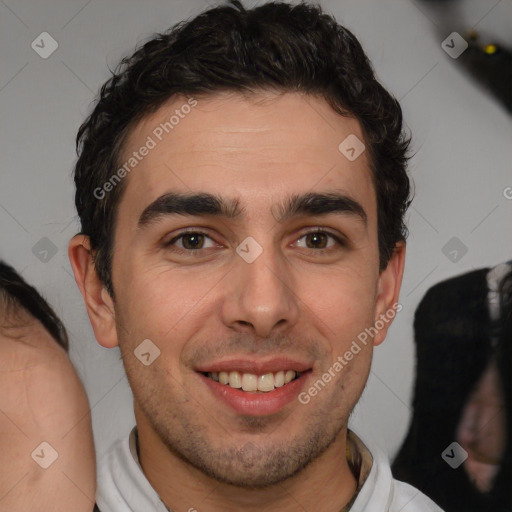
point(482, 428)
point(293, 300)
point(42, 400)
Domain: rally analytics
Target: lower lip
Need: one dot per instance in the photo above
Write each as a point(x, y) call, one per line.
point(257, 404)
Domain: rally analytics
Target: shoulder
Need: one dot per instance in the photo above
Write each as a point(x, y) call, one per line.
point(383, 493)
point(406, 498)
point(122, 484)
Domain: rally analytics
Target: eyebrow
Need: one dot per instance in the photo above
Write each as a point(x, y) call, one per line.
point(205, 204)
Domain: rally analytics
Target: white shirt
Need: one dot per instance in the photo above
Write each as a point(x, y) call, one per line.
point(123, 487)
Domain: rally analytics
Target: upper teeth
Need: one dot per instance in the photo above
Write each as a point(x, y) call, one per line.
point(252, 382)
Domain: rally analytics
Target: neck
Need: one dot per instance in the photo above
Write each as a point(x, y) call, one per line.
point(325, 485)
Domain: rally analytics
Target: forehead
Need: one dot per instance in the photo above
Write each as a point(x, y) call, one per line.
point(256, 147)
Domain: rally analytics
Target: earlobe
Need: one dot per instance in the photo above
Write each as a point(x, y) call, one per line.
point(388, 292)
point(99, 304)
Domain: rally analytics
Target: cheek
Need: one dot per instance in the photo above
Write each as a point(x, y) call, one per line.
point(156, 300)
point(342, 308)
point(343, 301)
point(162, 306)
point(344, 390)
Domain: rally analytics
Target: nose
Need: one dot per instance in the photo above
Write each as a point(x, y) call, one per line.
point(262, 296)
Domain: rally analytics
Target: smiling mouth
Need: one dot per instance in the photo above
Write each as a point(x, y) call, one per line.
point(253, 383)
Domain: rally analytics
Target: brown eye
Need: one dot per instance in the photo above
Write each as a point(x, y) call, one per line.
point(192, 241)
point(318, 240)
point(189, 241)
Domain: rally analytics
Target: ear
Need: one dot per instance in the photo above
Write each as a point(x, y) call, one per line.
point(388, 291)
point(99, 304)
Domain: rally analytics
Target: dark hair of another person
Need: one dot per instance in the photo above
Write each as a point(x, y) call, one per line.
point(274, 47)
point(502, 488)
point(452, 332)
point(16, 293)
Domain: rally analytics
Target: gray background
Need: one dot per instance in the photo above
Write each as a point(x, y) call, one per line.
point(461, 167)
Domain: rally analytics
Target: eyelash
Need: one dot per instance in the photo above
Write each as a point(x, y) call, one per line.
point(198, 252)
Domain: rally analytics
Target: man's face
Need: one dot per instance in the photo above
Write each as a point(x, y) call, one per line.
point(207, 307)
